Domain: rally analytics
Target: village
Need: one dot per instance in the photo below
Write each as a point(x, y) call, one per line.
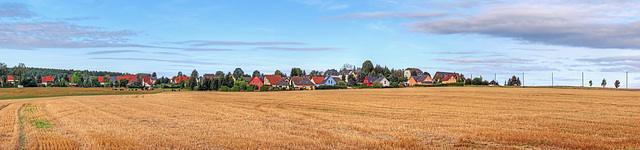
point(366, 76)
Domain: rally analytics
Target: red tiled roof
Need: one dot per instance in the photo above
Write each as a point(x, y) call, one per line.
point(317, 80)
point(273, 79)
point(446, 78)
point(47, 79)
point(178, 79)
point(100, 79)
point(132, 78)
point(146, 79)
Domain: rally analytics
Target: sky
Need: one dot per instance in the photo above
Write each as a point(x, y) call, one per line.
point(491, 38)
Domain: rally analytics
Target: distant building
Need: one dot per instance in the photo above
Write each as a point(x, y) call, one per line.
point(407, 72)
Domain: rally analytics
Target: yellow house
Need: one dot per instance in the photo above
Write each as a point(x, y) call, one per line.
point(449, 79)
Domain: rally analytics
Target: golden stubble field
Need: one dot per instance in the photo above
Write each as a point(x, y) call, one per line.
point(407, 118)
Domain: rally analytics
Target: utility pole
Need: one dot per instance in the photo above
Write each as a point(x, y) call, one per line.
point(495, 76)
point(471, 79)
point(523, 79)
point(627, 80)
point(552, 79)
point(582, 79)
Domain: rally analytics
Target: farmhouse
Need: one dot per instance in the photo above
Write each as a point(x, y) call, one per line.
point(284, 83)
point(181, 78)
point(305, 84)
point(422, 79)
point(271, 80)
point(407, 72)
point(255, 81)
point(47, 79)
point(330, 81)
point(331, 72)
point(448, 75)
point(369, 80)
point(317, 79)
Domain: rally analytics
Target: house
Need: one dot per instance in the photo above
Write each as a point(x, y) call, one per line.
point(270, 80)
point(113, 79)
point(369, 80)
point(210, 76)
point(255, 81)
point(305, 84)
point(100, 79)
point(407, 72)
point(442, 75)
point(422, 79)
point(47, 79)
point(180, 78)
point(284, 83)
point(331, 72)
point(302, 83)
point(493, 83)
point(132, 78)
point(330, 81)
point(449, 79)
point(153, 79)
point(317, 79)
point(146, 81)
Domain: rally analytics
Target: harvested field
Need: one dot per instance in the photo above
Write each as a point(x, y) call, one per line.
point(407, 118)
point(17, 93)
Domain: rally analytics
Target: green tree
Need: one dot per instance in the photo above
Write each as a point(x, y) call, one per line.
point(278, 72)
point(3, 73)
point(313, 73)
point(20, 72)
point(590, 82)
point(341, 83)
point(124, 82)
point(367, 67)
point(617, 83)
point(219, 74)
point(296, 72)
point(604, 83)
point(377, 84)
point(194, 74)
point(238, 73)
point(352, 80)
point(154, 75)
point(414, 73)
point(256, 73)
point(76, 78)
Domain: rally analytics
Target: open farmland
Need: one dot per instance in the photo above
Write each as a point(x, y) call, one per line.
point(17, 93)
point(413, 118)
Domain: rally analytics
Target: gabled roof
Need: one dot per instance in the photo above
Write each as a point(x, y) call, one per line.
point(10, 77)
point(379, 79)
point(154, 78)
point(337, 79)
point(414, 69)
point(47, 79)
point(447, 77)
point(283, 82)
point(305, 82)
point(331, 72)
point(420, 78)
point(146, 79)
point(113, 78)
point(317, 79)
point(100, 79)
point(443, 74)
point(132, 78)
point(372, 79)
point(296, 79)
point(210, 76)
point(273, 79)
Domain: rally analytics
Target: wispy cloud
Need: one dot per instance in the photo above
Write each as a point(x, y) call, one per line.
point(233, 43)
point(615, 63)
point(608, 24)
point(533, 49)
point(378, 15)
point(456, 53)
point(113, 52)
point(468, 61)
point(301, 49)
point(159, 60)
point(15, 10)
point(206, 49)
point(27, 33)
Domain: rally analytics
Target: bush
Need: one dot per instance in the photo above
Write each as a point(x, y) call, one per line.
point(342, 83)
point(250, 88)
point(377, 84)
point(235, 88)
point(326, 87)
point(224, 88)
point(394, 84)
point(264, 88)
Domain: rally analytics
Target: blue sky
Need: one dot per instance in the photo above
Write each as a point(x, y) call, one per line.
point(483, 38)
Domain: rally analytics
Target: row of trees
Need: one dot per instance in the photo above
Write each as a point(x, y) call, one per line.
point(604, 83)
